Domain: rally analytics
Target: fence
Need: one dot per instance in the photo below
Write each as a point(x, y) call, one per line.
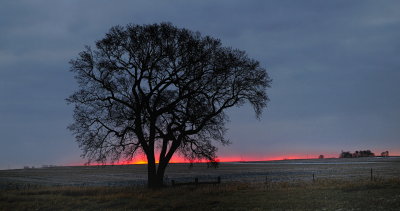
point(196, 182)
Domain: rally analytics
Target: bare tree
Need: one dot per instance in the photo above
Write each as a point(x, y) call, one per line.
point(160, 89)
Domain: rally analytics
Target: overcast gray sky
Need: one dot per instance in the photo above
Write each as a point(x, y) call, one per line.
point(335, 68)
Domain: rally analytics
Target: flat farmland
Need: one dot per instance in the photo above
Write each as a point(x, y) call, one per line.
point(339, 184)
point(270, 171)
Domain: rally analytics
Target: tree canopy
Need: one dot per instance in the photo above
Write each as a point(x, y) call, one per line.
point(160, 89)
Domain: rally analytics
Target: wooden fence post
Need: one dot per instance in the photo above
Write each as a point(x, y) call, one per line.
point(173, 183)
point(313, 177)
point(372, 178)
point(219, 179)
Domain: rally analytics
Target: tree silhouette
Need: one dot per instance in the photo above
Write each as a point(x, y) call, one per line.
point(160, 89)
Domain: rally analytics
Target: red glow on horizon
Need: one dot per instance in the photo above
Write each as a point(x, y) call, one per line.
point(177, 159)
point(293, 156)
point(141, 159)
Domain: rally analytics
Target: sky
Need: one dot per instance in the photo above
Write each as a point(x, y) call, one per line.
point(335, 68)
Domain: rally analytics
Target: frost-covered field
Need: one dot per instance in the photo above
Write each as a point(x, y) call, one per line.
point(286, 170)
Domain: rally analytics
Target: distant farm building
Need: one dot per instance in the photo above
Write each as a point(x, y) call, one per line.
point(385, 154)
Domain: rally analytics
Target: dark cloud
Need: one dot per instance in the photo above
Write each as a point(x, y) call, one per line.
point(334, 65)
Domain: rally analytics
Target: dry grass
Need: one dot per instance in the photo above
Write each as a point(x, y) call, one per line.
point(381, 194)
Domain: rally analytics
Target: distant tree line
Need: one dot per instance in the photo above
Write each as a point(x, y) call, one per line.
point(357, 154)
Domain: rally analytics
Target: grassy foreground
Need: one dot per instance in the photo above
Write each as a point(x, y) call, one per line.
point(319, 195)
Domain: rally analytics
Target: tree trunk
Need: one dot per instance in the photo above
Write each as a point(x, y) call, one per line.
point(155, 174)
point(155, 179)
point(160, 174)
point(151, 176)
point(152, 180)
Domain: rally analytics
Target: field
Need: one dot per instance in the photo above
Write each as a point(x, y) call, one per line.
point(281, 185)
